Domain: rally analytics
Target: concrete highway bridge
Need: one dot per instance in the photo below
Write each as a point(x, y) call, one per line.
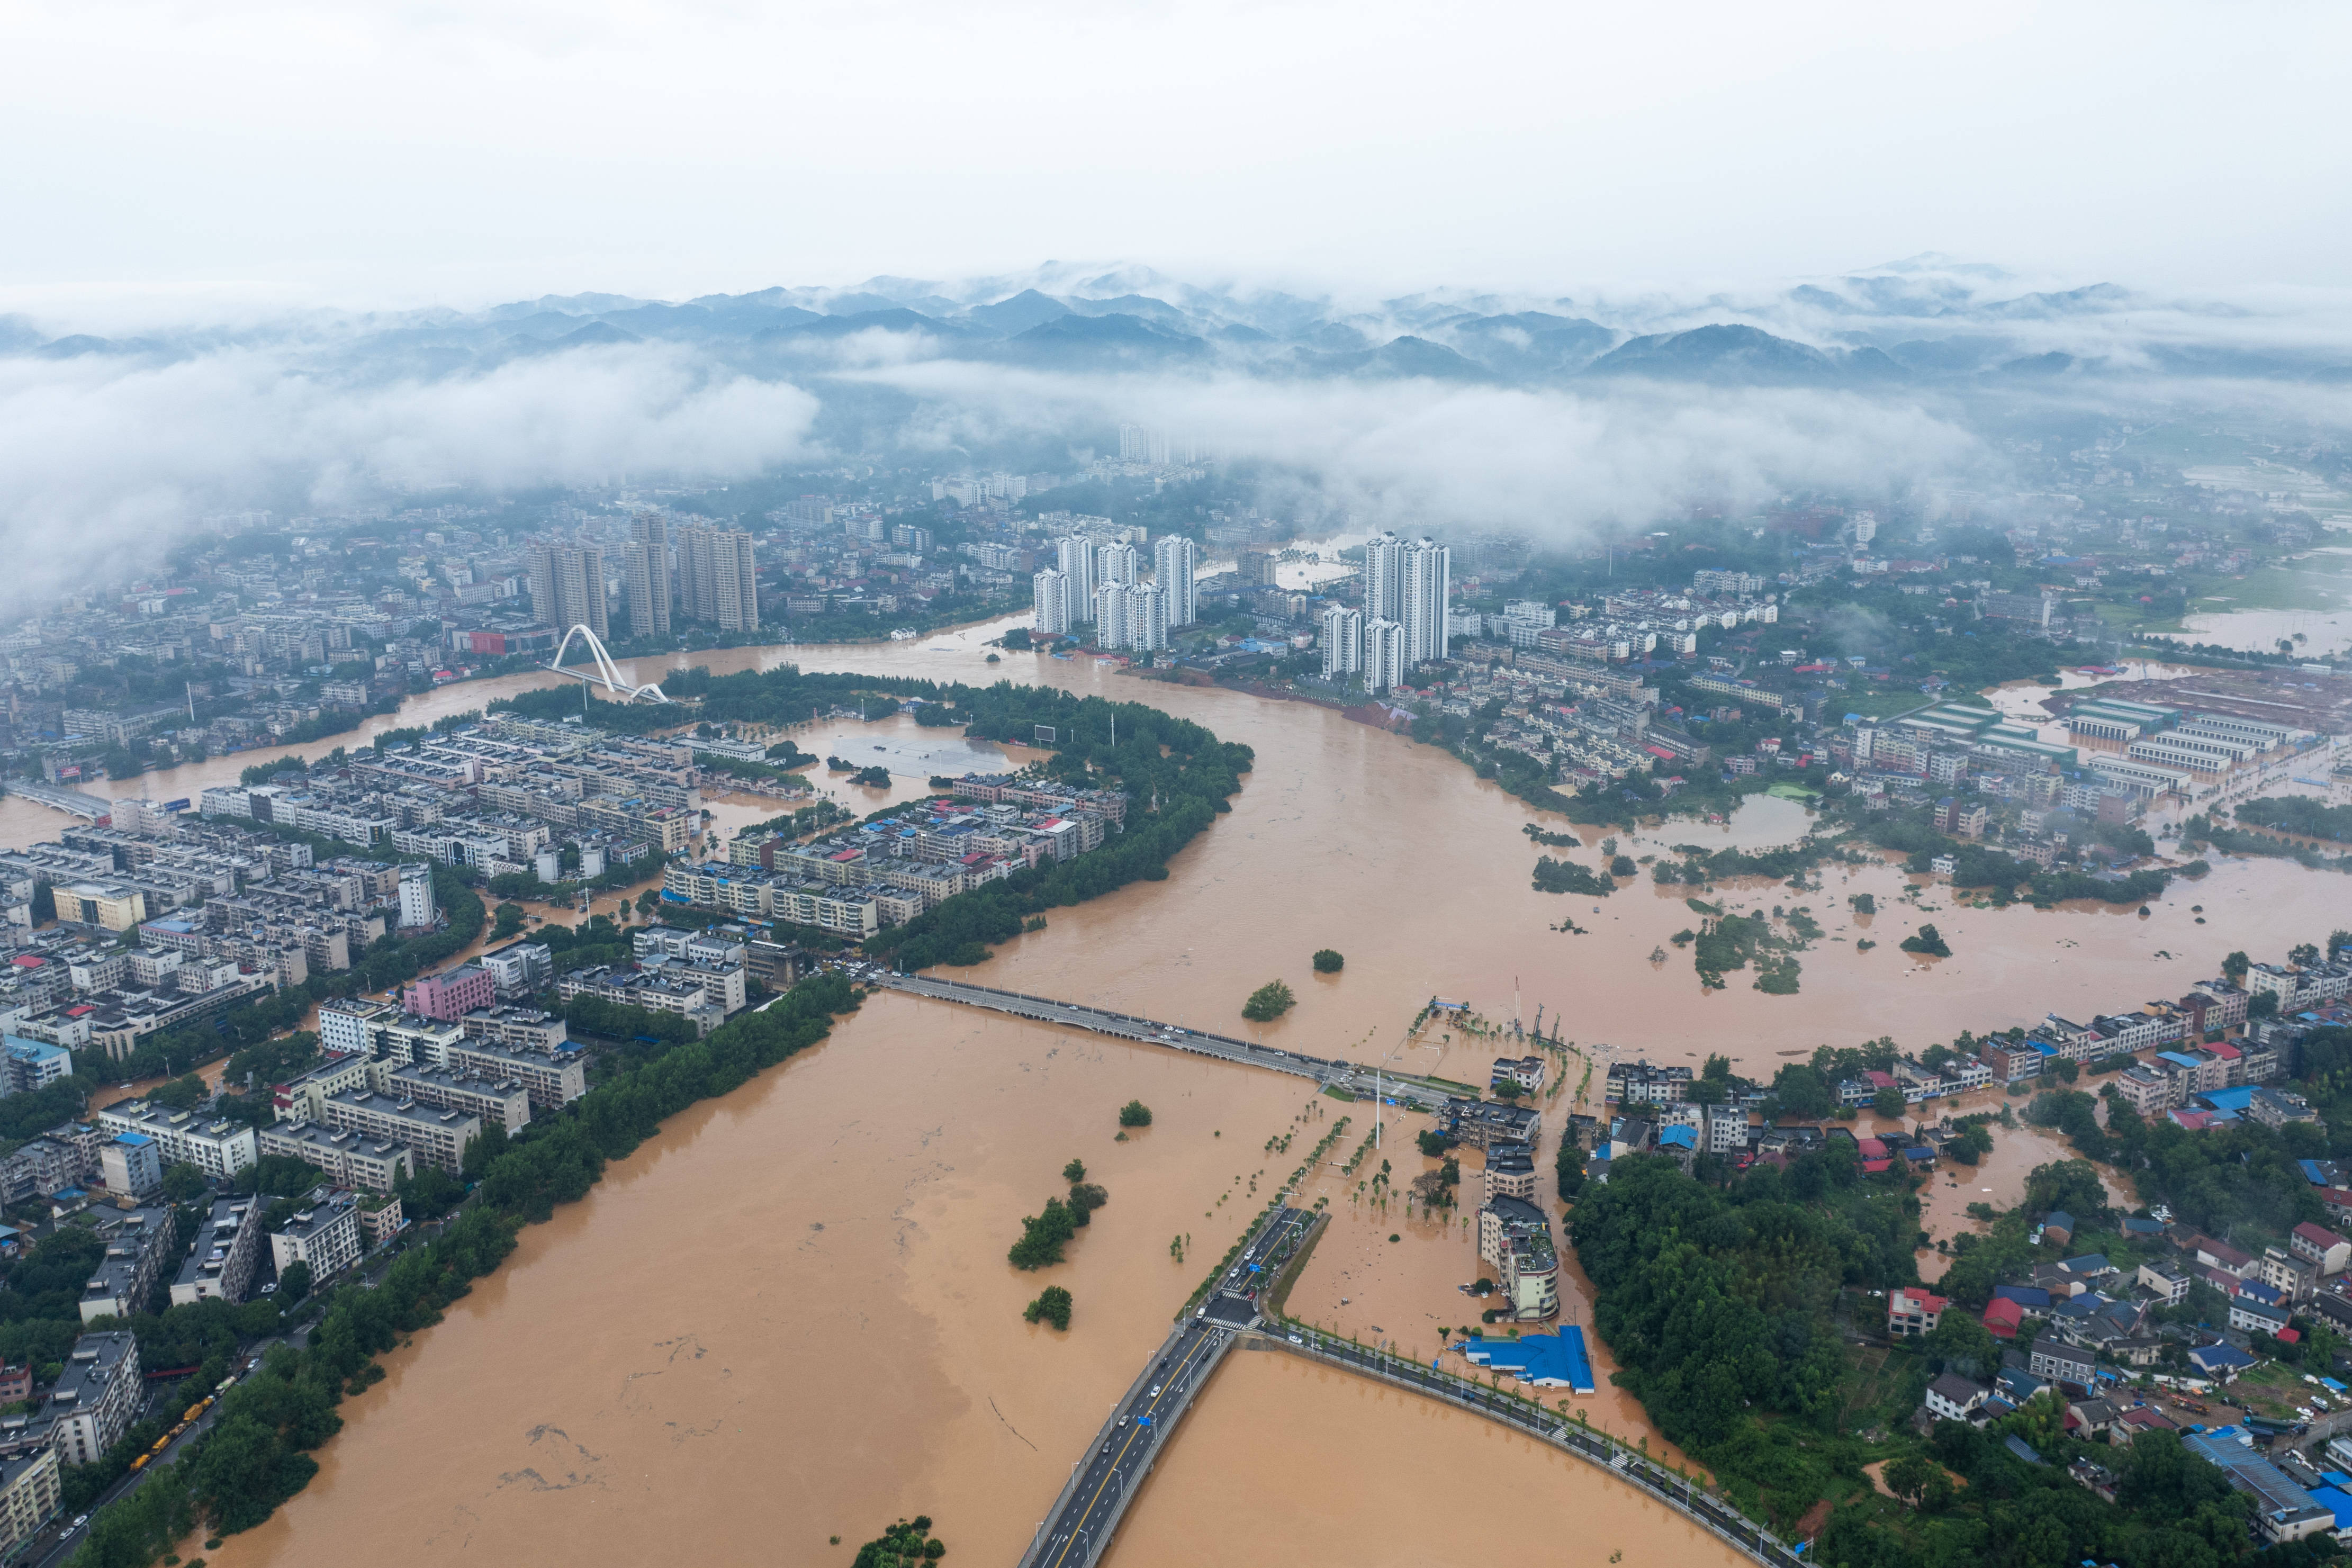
point(1323, 1071)
point(1105, 1477)
point(89, 806)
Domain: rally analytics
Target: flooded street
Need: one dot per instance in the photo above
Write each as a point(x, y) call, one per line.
point(789, 1316)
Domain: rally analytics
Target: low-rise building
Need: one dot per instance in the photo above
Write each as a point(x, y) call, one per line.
point(437, 1137)
point(29, 1493)
point(325, 1235)
point(349, 1158)
point(520, 968)
point(130, 1165)
point(1515, 1238)
point(453, 993)
point(553, 1078)
point(2054, 1358)
point(1913, 1312)
point(1952, 1397)
point(2322, 1247)
point(1510, 1172)
point(216, 1146)
point(1483, 1123)
point(138, 1244)
point(641, 988)
point(2169, 1286)
point(2258, 1318)
point(497, 1102)
point(380, 1218)
point(95, 1397)
point(227, 1246)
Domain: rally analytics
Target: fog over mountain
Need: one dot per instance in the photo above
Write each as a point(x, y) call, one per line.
point(1547, 412)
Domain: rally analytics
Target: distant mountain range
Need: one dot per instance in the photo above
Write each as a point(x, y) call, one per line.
point(1924, 320)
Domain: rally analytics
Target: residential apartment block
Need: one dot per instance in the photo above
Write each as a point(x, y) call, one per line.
point(227, 1244)
point(96, 1396)
point(325, 1235)
point(217, 1147)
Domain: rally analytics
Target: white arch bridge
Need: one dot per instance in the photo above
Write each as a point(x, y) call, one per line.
point(607, 674)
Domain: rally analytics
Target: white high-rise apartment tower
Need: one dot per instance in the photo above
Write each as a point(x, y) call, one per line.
point(1146, 619)
point(1343, 642)
point(1383, 577)
point(1075, 558)
point(1052, 598)
point(1118, 564)
point(1110, 616)
point(648, 574)
point(1175, 561)
point(1384, 662)
point(718, 580)
point(567, 587)
point(1427, 577)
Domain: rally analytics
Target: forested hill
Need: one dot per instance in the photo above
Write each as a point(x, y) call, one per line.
point(1734, 1310)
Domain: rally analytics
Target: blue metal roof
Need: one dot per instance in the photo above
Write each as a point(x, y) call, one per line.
point(1556, 1358)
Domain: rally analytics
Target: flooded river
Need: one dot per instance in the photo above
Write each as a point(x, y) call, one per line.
point(789, 1317)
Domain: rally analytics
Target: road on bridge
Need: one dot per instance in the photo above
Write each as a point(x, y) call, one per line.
point(1327, 1071)
point(1105, 1478)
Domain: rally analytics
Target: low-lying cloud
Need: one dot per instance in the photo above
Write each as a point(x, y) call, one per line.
point(103, 460)
point(1418, 453)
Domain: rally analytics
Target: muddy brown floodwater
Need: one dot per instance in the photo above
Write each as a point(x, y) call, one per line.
point(1283, 1461)
point(685, 1364)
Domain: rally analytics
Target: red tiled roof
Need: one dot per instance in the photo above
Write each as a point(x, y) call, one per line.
point(2318, 1235)
point(2003, 1317)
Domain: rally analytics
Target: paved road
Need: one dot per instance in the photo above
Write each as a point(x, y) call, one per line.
point(62, 798)
point(1324, 1071)
point(1105, 1478)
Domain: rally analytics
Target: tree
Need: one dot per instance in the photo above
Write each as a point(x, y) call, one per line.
point(1085, 1198)
point(1803, 1091)
point(1433, 1142)
point(184, 1183)
point(1906, 1476)
point(293, 1284)
point(2302, 954)
point(1269, 1001)
point(1041, 1236)
point(1887, 1103)
point(1329, 961)
point(509, 918)
point(1569, 1167)
point(1052, 1306)
point(1135, 1113)
point(1076, 1171)
point(182, 1093)
point(1929, 942)
point(2264, 1004)
point(2070, 1186)
point(2234, 967)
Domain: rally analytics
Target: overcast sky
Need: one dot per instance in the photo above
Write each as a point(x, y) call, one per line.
point(367, 153)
